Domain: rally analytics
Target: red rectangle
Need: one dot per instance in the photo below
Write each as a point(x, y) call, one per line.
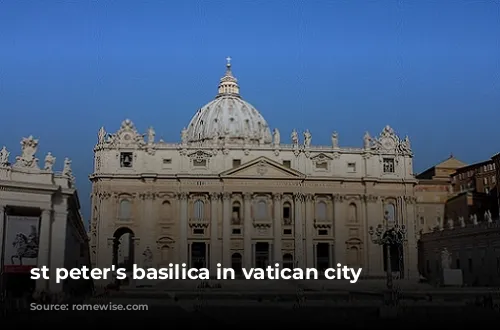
point(17, 269)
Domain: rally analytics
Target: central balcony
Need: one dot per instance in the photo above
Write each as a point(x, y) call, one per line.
point(199, 222)
point(323, 223)
point(262, 222)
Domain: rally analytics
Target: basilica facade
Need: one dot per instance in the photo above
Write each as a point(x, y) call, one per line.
point(231, 192)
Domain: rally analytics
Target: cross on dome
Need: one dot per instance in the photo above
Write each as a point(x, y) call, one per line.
point(228, 59)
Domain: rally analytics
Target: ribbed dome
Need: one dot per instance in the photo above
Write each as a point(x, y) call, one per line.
point(229, 117)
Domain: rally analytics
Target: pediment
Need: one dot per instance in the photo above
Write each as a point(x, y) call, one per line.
point(321, 157)
point(263, 167)
point(200, 154)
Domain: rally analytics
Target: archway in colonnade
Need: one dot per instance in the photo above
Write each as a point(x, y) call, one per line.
point(123, 248)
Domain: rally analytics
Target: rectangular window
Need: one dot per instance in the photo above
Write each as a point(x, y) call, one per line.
point(388, 165)
point(236, 162)
point(287, 163)
point(351, 167)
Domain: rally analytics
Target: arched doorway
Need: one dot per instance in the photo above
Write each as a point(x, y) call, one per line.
point(123, 248)
point(396, 253)
point(236, 263)
point(288, 261)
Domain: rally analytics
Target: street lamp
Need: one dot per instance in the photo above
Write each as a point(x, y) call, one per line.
point(391, 235)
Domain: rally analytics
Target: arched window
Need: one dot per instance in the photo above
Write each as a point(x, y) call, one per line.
point(261, 213)
point(390, 213)
point(353, 213)
point(287, 213)
point(125, 209)
point(199, 209)
point(321, 210)
point(236, 217)
point(166, 210)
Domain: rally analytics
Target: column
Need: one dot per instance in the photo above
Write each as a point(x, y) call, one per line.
point(299, 235)
point(215, 251)
point(149, 224)
point(226, 230)
point(309, 230)
point(59, 252)
point(44, 246)
point(247, 231)
point(183, 228)
point(411, 246)
point(374, 265)
point(340, 229)
point(277, 246)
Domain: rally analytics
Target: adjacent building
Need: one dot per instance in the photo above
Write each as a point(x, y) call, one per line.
point(40, 220)
point(233, 191)
point(432, 192)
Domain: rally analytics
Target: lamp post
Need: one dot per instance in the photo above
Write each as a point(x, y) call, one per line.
point(387, 237)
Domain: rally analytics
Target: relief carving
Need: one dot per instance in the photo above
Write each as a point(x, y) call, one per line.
point(226, 196)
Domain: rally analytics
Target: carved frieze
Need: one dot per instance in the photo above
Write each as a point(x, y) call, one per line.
point(277, 197)
point(183, 196)
point(338, 198)
point(371, 198)
point(298, 197)
point(215, 196)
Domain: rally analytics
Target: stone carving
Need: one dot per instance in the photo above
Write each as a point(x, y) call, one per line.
point(295, 138)
point(101, 135)
point(49, 162)
point(276, 137)
point(29, 147)
point(127, 135)
point(148, 257)
point(461, 220)
point(405, 146)
point(445, 259)
point(335, 140)
point(387, 141)
point(4, 157)
point(151, 135)
point(226, 196)
point(214, 196)
point(307, 138)
point(450, 223)
point(487, 216)
point(367, 140)
point(67, 168)
point(277, 197)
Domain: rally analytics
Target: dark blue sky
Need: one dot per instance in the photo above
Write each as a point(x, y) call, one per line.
point(430, 69)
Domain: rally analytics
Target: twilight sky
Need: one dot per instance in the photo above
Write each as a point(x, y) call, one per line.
point(430, 69)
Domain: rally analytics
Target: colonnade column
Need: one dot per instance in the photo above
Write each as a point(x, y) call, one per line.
point(183, 228)
point(299, 235)
point(215, 251)
point(309, 221)
point(226, 230)
point(277, 253)
point(340, 230)
point(247, 231)
point(374, 217)
point(148, 233)
point(44, 246)
point(2, 224)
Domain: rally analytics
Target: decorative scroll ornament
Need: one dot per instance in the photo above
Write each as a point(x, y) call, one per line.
point(127, 135)
point(389, 142)
point(29, 146)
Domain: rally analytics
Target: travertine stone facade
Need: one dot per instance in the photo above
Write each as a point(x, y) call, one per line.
point(30, 190)
point(232, 192)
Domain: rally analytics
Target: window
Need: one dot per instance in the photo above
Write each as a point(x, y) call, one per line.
point(321, 211)
point(485, 180)
point(390, 213)
point(167, 161)
point(236, 219)
point(126, 159)
point(236, 231)
point(125, 209)
point(236, 162)
point(322, 232)
point(287, 214)
point(422, 220)
point(388, 165)
point(261, 213)
point(321, 165)
point(198, 231)
point(351, 167)
point(198, 209)
point(287, 232)
point(287, 163)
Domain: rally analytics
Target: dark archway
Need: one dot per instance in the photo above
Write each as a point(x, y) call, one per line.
point(288, 261)
point(123, 248)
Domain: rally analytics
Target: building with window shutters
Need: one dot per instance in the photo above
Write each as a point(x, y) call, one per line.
point(232, 192)
point(40, 221)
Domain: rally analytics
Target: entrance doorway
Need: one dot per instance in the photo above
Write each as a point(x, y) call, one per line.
point(198, 255)
point(322, 256)
point(261, 254)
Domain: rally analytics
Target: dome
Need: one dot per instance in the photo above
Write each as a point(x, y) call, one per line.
point(228, 117)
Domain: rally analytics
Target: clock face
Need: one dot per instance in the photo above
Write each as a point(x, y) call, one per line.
point(388, 144)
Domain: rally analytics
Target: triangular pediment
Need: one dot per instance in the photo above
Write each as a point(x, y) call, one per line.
point(321, 156)
point(262, 167)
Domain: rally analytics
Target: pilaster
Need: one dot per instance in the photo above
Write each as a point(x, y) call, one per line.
point(247, 231)
point(340, 229)
point(215, 247)
point(299, 235)
point(277, 253)
point(183, 228)
point(226, 230)
point(309, 224)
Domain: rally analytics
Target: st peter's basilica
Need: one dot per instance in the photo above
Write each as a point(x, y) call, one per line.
point(230, 191)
